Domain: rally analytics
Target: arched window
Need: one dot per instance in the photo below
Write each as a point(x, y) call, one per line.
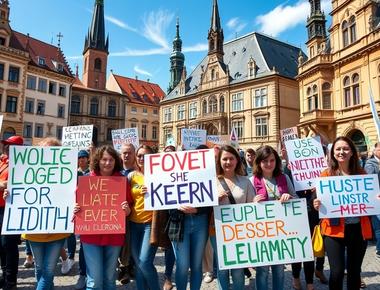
point(212, 74)
point(212, 105)
point(345, 33)
point(355, 89)
point(352, 28)
point(75, 105)
point(112, 108)
point(9, 132)
point(312, 98)
point(94, 106)
point(98, 64)
point(326, 96)
point(347, 91)
point(204, 107)
point(221, 104)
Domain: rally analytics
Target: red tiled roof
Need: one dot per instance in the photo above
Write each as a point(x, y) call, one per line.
point(37, 48)
point(140, 92)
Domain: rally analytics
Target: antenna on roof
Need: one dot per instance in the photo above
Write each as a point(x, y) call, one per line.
point(59, 36)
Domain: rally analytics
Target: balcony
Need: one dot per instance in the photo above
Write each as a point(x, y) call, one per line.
point(321, 59)
point(320, 116)
point(212, 116)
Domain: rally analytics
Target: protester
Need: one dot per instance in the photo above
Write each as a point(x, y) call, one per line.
point(101, 251)
point(142, 251)
point(344, 235)
point(270, 184)
point(250, 155)
point(9, 254)
point(233, 187)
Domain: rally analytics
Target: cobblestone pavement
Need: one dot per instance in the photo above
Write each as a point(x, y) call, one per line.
point(26, 281)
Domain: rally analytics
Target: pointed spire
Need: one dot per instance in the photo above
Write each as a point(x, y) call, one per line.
point(215, 33)
point(96, 38)
point(177, 60)
point(316, 22)
point(215, 19)
point(177, 42)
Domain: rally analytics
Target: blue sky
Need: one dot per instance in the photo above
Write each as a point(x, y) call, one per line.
point(141, 32)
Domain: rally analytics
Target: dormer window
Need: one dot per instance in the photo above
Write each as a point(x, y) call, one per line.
point(41, 60)
point(60, 67)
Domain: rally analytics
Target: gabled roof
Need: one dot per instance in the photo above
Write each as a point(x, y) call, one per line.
point(52, 55)
point(140, 92)
point(267, 52)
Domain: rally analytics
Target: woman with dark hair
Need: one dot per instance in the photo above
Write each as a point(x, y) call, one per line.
point(140, 223)
point(270, 184)
point(344, 235)
point(102, 251)
point(233, 187)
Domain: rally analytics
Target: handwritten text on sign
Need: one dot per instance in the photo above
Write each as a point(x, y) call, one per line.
point(288, 134)
point(192, 138)
point(77, 136)
point(345, 196)
point(122, 136)
point(306, 161)
point(265, 233)
point(100, 201)
point(41, 184)
point(180, 178)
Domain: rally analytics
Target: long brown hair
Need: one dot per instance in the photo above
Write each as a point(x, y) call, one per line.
point(239, 169)
point(353, 165)
point(263, 153)
point(147, 148)
point(95, 158)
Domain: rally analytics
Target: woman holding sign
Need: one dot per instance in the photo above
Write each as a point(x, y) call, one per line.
point(233, 187)
point(270, 184)
point(101, 251)
point(344, 235)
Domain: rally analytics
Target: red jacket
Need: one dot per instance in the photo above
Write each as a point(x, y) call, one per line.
point(4, 163)
point(112, 239)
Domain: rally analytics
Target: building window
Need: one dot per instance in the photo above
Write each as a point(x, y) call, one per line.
point(143, 131)
point(261, 126)
point(41, 60)
point(212, 74)
point(355, 89)
point(61, 111)
point(29, 105)
point(133, 125)
point(62, 90)
point(154, 133)
point(39, 131)
point(40, 107)
point(352, 28)
point(345, 33)
point(109, 134)
point(42, 85)
point(155, 111)
point(260, 98)
point(168, 115)
point(31, 82)
point(145, 110)
point(11, 106)
point(94, 107)
point(28, 130)
point(326, 96)
point(213, 105)
point(1, 71)
point(221, 104)
point(312, 98)
point(193, 110)
point(52, 88)
point(204, 107)
point(180, 112)
point(239, 128)
point(237, 102)
point(112, 109)
point(75, 105)
point(98, 64)
point(168, 133)
point(134, 110)
point(14, 73)
point(59, 132)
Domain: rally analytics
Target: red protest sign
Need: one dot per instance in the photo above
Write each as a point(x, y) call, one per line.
point(100, 199)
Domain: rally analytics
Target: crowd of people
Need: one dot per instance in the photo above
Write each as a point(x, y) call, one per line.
point(186, 233)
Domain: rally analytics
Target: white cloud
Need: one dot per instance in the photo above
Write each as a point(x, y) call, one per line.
point(195, 48)
point(137, 69)
point(236, 25)
point(74, 57)
point(155, 25)
point(119, 23)
point(285, 17)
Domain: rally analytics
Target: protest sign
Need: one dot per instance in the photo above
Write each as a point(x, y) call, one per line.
point(77, 136)
point(306, 161)
point(375, 116)
point(348, 196)
point(218, 140)
point(1, 121)
point(180, 178)
point(192, 138)
point(170, 142)
point(288, 134)
point(100, 199)
point(41, 183)
point(122, 136)
point(234, 138)
point(265, 233)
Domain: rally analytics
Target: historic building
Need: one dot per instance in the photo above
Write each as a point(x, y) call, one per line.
point(35, 84)
point(114, 104)
point(342, 66)
point(247, 84)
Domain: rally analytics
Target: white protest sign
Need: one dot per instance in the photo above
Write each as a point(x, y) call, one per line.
point(192, 138)
point(79, 137)
point(122, 136)
point(234, 138)
point(306, 161)
point(348, 196)
point(180, 178)
point(41, 183)
point(288, 134)
point(1, 121)
point(265, 233)
point(219, 140)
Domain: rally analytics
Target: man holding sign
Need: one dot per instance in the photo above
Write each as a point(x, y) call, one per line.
point(349, 232)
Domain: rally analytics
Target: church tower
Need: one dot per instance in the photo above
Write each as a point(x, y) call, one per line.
point(215, 34)
point(316, 29)
point(5, 29)
point(177, 60)
point(95, 51)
